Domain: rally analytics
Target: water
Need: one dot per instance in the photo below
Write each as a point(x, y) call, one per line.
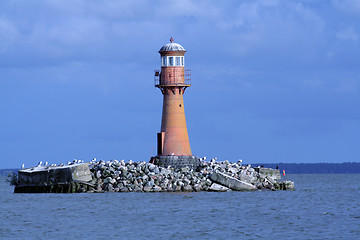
point(322, 207)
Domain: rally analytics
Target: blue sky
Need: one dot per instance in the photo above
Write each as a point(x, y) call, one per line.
point(272, 81)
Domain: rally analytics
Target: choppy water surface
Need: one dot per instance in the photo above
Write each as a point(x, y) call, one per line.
point(322, 207)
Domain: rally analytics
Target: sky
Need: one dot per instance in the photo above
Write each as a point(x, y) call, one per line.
point(272, 81)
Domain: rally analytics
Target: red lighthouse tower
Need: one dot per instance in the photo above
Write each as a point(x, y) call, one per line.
point(173, 140)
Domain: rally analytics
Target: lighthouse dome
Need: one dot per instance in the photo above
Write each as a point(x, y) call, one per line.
point(171, 47)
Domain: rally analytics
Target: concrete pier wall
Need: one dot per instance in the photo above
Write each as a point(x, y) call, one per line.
point(47, 179)
point(268, 172)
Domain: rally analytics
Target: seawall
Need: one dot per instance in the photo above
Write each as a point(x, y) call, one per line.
point(121, 176)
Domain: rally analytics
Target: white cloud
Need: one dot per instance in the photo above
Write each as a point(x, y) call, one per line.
point(86, 29)
point(348, 33)
point(8, 33)
point(333, 86)
point(188, 8)
point(272, 26)
point(350, 6)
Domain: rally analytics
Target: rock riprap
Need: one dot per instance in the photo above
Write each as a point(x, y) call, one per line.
point(121, 176)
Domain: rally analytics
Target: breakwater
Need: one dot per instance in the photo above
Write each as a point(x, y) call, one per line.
point(121, 176)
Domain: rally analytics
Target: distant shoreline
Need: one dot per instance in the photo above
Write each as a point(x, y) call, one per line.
point(315, 168)
point(290, 168)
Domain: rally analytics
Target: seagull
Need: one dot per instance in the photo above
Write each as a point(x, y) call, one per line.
point(23, 166)
point(172, 154)
point(204, 158)
point(46, 163)
point(39, 164)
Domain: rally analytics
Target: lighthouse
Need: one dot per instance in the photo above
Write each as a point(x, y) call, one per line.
point(173, 145)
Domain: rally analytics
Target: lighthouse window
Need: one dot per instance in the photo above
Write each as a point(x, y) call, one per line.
point(177, 61)
point(182, 61)
point(163, 61)
point(171, 61)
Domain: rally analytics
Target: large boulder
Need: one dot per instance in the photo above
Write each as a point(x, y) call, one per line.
point(218, 188)
point(231, 182)
point(264, 172)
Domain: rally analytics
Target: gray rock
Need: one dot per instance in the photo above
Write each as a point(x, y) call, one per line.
point(231, 182)
point(197, 187)
point(120, 185)
point(287, 185)
point(156, 188)
point(124, 189)
point(170, 188)
point(233, 170)
point(218, 188)
point(147, 189)
point(270, 179)
point(109, 187)
point(138, 189)
point(151, 167)
point(107, 179)
point(150, 183)
point(247, 178)
point(274, 173)
point(187, 188)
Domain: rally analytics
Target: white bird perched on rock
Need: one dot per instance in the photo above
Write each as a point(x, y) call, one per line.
point(94, 160)
point(204, 158)
point(40, 163)
point(172, 154)
point(69, 163)
point(23, 166)
point(46, 163)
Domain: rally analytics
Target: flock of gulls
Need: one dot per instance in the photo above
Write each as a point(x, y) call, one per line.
point(76, 161)
point(46, 164)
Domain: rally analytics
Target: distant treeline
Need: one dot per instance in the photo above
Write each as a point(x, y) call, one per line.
point(325, 168)
point(6, 172)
